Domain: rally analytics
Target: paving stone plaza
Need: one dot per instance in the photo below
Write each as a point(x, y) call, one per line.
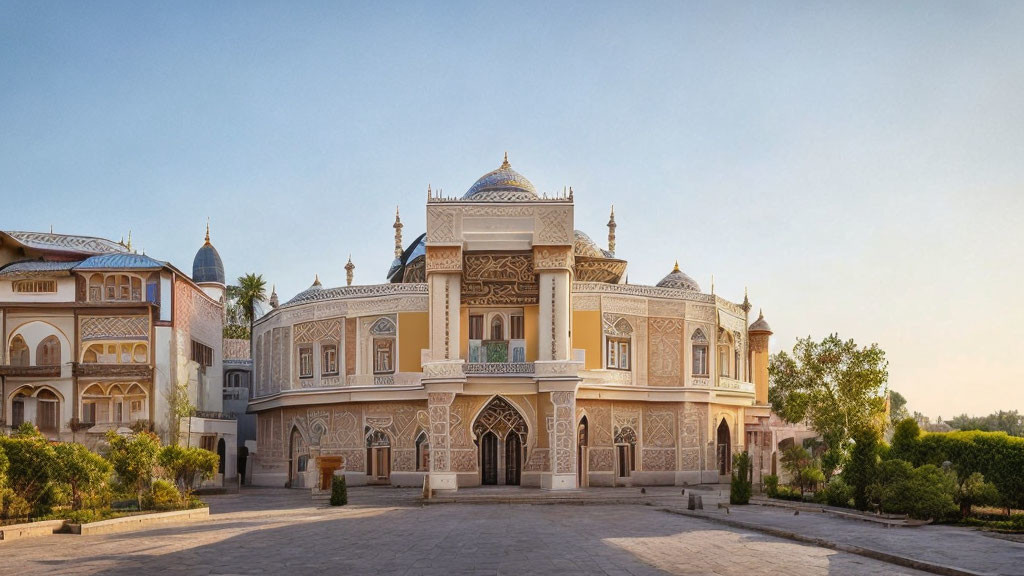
point(389, 531)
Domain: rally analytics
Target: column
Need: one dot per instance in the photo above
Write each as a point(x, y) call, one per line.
point(439, 411)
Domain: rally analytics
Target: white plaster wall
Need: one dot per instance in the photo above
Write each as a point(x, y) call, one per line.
point(65, 292)
point(35, 328)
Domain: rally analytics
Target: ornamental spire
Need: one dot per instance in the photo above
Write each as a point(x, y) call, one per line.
point(676, 267)
point(505, 163)
point(274, 303)
point(129, 245)
point(611, 231)
point(349, 271)
point(316, 281)
point(398, 234)
point(207, 230)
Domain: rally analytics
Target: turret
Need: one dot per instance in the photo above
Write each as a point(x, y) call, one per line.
point(611, 231)
point(759, 333)
point(207, 268)
point(398, 235)
point(350, 270)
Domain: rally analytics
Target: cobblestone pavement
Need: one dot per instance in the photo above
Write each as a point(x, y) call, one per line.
point(958, 547)
point(382, 531)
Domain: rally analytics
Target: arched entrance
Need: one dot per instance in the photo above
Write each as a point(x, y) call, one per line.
point(221, 455)
point(724, 449)
point(298, 459)
point(500, 432)
point(582, 464)
point(378, 455)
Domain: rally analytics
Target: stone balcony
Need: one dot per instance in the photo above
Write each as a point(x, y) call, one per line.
point(135, 371)
point(30, 371)
point(499, 369)
point(731, 384)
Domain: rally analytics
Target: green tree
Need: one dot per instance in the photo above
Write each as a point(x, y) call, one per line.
point(860, 471)
point(179, 405)
point(975, 491)
point(742, 485)
point(81, 469)
point(1010, 422)
point(252, 288)
point(906, 442)
point(339, 492)
point(31, 464)
point(133, 458)
point(186, 465)
point(834, 385)
point(897, 408)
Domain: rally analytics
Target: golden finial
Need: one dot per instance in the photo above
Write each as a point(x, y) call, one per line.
point(316, 280)
point(129, 245)
point(505, 163)
point(349, 271)
point(676, 267)
point(207, 229)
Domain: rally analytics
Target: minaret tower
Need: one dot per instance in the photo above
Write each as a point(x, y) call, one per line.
point(350, 268)
point(611, 231)
point(398, 235)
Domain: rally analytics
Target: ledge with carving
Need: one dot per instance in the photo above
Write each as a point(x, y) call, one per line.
point(347, 292)
point(396, 379)
point(558, 369)
point(638, 290)
point(730, 384)
point(138, 371)
point(30, 371)
point(616, 377)
point(498, 368)
point(444, 370)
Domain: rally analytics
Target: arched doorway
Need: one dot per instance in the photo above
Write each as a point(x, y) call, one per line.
point(724, 449)
point(221, 455)
point(298, 459)
point(582, 464)
point(378, 455)
point(500, 432)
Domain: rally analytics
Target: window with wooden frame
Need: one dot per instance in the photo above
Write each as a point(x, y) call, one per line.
point(306, 362)
point(329, 360)
point(618, 353)
point(476, 327)
point(35, 286)
point(202, 354)
point(700, 353)
point(723, 361)
point(383, 355)
point(516, 328)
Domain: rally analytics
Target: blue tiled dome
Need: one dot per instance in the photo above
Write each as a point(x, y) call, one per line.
point(502, 185)
point(207, 267)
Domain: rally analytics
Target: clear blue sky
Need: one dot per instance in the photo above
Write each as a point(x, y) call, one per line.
point(859, 167)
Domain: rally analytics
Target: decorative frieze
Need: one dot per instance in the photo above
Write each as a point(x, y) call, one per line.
point(645, 291)
point(552, 258)
point(498, 279)
point(115, 328)
point(444, 259)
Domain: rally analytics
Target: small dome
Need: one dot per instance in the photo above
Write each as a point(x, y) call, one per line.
point(677, 279)
point(308, 293)
point(582, 245)
point(760, 325)
point(502, 185)
point(207, 266)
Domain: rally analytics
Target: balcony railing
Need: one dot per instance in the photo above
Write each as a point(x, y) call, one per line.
point(30, 371)
point(498, 368)
point(140, 371)
point(215, 415)
point(730, 384)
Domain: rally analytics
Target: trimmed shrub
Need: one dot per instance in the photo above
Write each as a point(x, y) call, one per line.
point(906, 442)
point(924, 493)
point(133, 458)
point(32, 463)
point(339, 492)
point(995, 455)
point(771, 485)
point(860, 472)
point(974, 491)
point(838, 493)
point(82, 470)
point(741, 486)
point(162, 496)
point(186, 465)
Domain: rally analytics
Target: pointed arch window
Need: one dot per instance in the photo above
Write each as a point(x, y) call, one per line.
point(383, 332)
point(699, 343)
point(18, 352)
point(422, 452)
point(48, 352)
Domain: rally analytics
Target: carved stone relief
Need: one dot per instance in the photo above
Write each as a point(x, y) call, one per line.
point(498, 279)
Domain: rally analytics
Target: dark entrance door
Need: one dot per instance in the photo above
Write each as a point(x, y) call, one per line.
point(489, 458)
point(724, 452)
point(513, 458)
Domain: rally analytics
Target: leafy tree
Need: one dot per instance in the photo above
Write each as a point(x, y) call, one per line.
point(897, 408)
point(974, 491)
point(1010, 422)
point(133, 458)
point(741, 486)
point(802, 468)
point(184, 465)
point(179, 405)
point(236, 332)
point(252, 288)
point(835, 385)
point(860, 471)
point(906, 442)
point(81, 469)
point(31, 463)
point(838, 493)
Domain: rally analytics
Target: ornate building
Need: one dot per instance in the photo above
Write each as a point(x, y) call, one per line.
point(97, 337)
point(506, 348)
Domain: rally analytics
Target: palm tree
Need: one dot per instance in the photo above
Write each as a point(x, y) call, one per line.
point(252, 288)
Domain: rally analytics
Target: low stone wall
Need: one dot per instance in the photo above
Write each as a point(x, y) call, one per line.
point(30, 529)
point(138, 522)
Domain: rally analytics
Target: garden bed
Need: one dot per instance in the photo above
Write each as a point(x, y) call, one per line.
point(138, 521)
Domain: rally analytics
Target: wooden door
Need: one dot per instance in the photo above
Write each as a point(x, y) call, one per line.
point(513, 458)
point(489, 459)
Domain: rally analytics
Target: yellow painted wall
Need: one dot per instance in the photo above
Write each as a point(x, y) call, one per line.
point(586, 335)
point(530, 320)
point(760, 374)
point(414, 335)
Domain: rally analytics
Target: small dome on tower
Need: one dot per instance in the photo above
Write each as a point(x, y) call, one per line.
point(678, 279)
point(760, 325)
point(502, 185)
point(207, 266)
